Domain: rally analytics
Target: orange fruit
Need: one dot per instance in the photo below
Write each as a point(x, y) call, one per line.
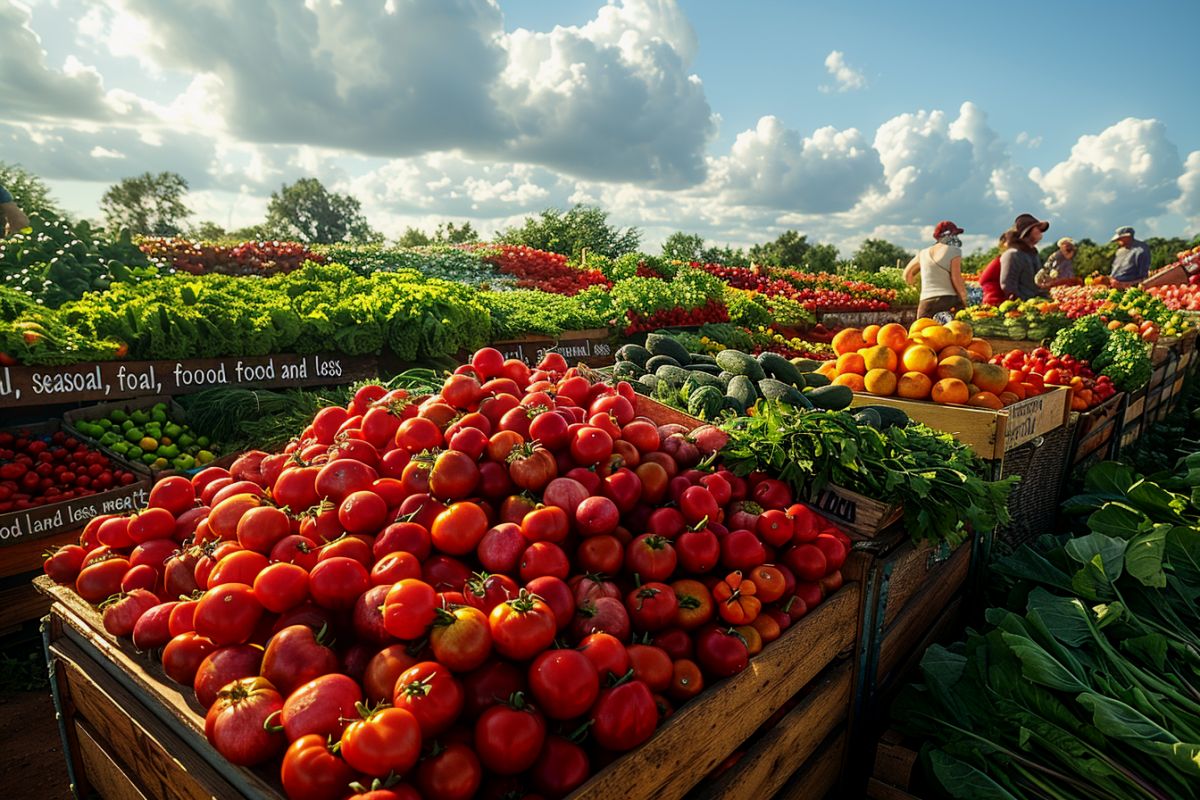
point(914, 386)
point(920, 325)
point(980, 350)
point(1008, 398)
point(950, 390)
point(962, 332)
point(989, 377)
point(881, 382)
point(855, 382)
point(871, 334)
point(880, 357)
point(955, 367)
point(938, 337)
point(848, 340)
point(828, 369)
point(919, 358)
point(953, 350)
point(894, 336)
point(985, 400)
point(1015, 388)
point(850, 362)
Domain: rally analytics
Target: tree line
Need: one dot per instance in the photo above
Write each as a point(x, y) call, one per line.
point(306, 211)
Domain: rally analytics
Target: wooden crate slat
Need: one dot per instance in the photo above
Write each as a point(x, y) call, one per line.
point(917, 619)
point(820, 774)
point(878, 790)
point(20, 604)
point(763, 770)
point(106, 775)
point(153, 756)
point(702, 734)
point(916, 568)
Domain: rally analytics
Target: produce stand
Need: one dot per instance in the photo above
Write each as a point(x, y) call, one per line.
point(990, 433)
point(113, 380)
point(129, 732)
point(1093, 432)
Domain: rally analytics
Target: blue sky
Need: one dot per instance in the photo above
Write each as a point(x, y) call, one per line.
point(717, 117)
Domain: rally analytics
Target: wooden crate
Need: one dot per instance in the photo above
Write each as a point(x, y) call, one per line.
point(1093, 432)
point(989, 433)
point(1007, 345)
point(699, 737)
point(1131, 419)
point(860, 516)
point(593, 347)
point(893, 772)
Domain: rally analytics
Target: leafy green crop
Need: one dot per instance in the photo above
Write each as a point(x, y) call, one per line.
point(1084, 339)
point(1125, 358)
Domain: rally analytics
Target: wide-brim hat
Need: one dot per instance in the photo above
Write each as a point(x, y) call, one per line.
point(1027, 222)
point(945, 227)
point(1122, 232)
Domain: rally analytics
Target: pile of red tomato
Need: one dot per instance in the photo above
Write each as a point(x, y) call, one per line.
point(499, 587)
point(539, 269)
point(36, 469)
point(247, 258)
point(712, 311)
point(1087, 389)
point(1179, 296)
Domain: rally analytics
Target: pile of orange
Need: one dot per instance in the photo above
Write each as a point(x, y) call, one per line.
point(928, 361)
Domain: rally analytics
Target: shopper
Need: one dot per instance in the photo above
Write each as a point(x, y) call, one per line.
point(1019, 264)
point(940, 268)
point(1060, 266)
point(989, 279)
point(14, 217)
point(1131, 264)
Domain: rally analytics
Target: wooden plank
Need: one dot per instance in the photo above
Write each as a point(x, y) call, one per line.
point(913, 625)
point(763, 770)
point(894, 762)
point(153, 756)
point(20, 604)
point(592, 347)
point(703, 733)
point(112, 380)
point(878, 790)
point(915, 569)
point(662, 414)
point(860, 516)
point(25, 555)
point(820, 774)
point(106, 776)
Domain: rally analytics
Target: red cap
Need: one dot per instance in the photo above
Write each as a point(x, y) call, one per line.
point(944, 227)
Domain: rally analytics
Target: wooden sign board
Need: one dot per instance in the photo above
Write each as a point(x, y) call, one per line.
point(115, 380)
point(592, 347)
point(52, 518)
point(859, 515)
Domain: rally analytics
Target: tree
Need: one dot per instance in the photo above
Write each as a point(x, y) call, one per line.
point(449, 233)
point(413, 237)
point(680, 246)
point(148, 204)
point(789, 250)
point(822, 258)
point(725, 255)
point(582, 228)
point(310, 213)
point(876, 253)
point(1092, 258)
point(28, 190)
point(208, 231)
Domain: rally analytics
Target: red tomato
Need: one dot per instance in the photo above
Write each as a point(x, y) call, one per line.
point(101, 579)
point(227, 614)
point(152, 630)
point(386, 741)
point(223, 666)
point(590, 445)
point(408, 610)
point(241, 566)
point(183, 655)
point(651, 665)
point(600, 554)
point(407, 536)
point(451, 773)
point(546, 524)
point(296, 655)
point(564, 683)
point(807, 561)
point(490, 685)
point(652, 606)
point(395, 567)
point(337, 582)
point(509, 737)
point(501, 548)
point(522, 627)
point(459, 529)
point(698, 551)
point(557, 594)
point(624, 716)
point(485, 591)
point(461, 638)
point(431, 694)
point(313, 771)
point(122, 612)
point(237, 722)
point(322, 706)
point(454, 476)
point(721, 652)
point(363, 511)
point(834, 550)
point(176, 494)
point(650, 557)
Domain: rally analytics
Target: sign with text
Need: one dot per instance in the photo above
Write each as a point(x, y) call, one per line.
point(591, 347)
point(115, 380)
point(71, 514)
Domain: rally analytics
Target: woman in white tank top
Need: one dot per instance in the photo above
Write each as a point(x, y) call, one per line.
point(940, 268)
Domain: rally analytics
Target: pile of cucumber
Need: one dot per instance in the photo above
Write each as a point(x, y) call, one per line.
point(705, 385)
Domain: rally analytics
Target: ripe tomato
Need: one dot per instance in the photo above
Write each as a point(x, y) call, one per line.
point(337, 582)
point(408, 610)
point(322, 706)
point(183, 654)
point(454, 476)
point(101, 579)
point(312, 770)
point(240, 566)
point(769, 582)
point(532, 467)
point(395, 567)
point(64, 564)
point(736, 599)
point(561, 768)
point(409, 537)
point(543, 558)
point(590, 445)
point(237, 722)
point(509, 737)
point(650, 557)
point(624, 716)
point(431, 694)
point(603, 614)
point(698, 551)
point(342, 477)
point(564, 683)
point(459, 529)
point(651, 665)
point(152, 630)
point(720, 652)
point(652, 606)
point(296, 655)
point(261, 528)
point(807, 561)
point(742, 550)
point(227, 614)
point(461, 638)
point(522, 627)
point(176, 494)
point(602, 555)
point(556, 594)
point(686, 680)
point(363, 511)
point(222, 667)
point(546, 524)
point(385, 741)
point(450, 773)
point(296, 549)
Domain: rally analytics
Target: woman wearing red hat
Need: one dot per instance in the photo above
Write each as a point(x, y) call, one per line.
point(940, 268)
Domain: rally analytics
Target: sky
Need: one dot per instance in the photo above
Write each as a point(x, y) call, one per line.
point(734, 120)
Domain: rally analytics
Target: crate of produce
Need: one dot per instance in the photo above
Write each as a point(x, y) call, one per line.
point(1042, 466)
point(991, 433)
point(151, 432)
point(127, 726)
point(1131, 419)
point(121, 487)
point(592, 347)
point(1093, 432)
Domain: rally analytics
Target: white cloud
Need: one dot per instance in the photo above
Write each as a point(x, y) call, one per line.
point(845, 77)
point(1127, 173)
point(1026, 139)
point(1188, 204)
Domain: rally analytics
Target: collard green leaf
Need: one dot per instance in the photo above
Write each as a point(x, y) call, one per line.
point(962, 780)
point(1117, 520)
point(1109, 477)
point(1117, 719)
point(1041, 667)
point(1065, 618)
point(1183, 553)
point(1111, 551)
point(1029, 565)
point(1144, 556)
